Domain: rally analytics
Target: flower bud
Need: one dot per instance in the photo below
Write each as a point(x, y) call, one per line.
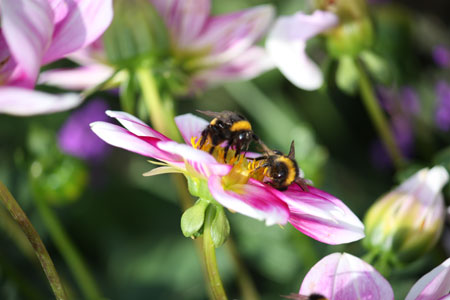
point(408, 221)
point(193, 218)
point(350, 38)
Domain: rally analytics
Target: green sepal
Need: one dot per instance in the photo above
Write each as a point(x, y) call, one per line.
point(351, 38)
point(377, 67)
point(347, 77)
point(220, 227)
point(198, 187)
point(193, 218)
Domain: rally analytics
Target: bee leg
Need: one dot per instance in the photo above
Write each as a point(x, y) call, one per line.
point(226, 152)
point(204, 137)
point(302, 184)
point(212, 149)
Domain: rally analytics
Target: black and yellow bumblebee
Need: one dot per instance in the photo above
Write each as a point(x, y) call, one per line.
point(229, 127)
point(302, 297)
point(282, 170)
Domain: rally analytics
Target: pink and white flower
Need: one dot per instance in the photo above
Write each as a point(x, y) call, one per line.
point(38, 32)
point(342, 276)
point(229, 181)
point(286, 44)
point(212, 49)
point(433, 285)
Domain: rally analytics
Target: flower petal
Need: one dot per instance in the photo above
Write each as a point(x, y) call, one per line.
point(24, 102)
point(122, 138)
point(135, 125)
point(322, 216)
point(202, 162)
point(227, 36)
point(433, 285)
point(248, 65)
point(426, 184)
point(184, 18)
point(27, 27)
point(286, 45)
point(250, 199)
point(78, 23)
point(78, 78)
point(190, 126)
point(342, 276)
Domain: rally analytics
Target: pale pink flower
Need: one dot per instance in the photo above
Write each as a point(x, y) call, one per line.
point(433, 285)
point(342, 276)
point(38, 32)
point(229, 182)
point(212, 49)
point(286, 44)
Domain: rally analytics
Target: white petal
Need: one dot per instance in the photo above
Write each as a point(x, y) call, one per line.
point(24, 102)
point(286, 45)
point(190, 126)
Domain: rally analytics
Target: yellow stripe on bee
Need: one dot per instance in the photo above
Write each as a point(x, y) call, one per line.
point(240, 125)
point(213, 121)
point(290, 167)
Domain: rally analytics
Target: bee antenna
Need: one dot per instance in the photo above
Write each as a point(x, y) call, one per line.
point(291, 154)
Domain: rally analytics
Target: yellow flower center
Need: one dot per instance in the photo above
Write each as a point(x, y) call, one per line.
point(243, 167)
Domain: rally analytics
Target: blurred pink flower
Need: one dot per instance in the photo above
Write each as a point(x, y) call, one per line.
point(286, 44)
point(38, 32)
point(212, 49)
point(433, 285)
point(229, 182)
point(342, 276)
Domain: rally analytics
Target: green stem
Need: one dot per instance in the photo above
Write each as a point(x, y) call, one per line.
point(215, 283)
point(378, 118)
point(162, 119)
point(69, 252)
point(41, 252)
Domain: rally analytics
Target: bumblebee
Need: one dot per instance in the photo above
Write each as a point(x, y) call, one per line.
point(282, 170)
point(229, 127)
point(302, 297)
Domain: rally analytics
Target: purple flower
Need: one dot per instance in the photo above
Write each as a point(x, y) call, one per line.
point(443, 106)
point(441, 56)
point(230, 182)
point(76, 137)
point(38, 32)
point(402, 106)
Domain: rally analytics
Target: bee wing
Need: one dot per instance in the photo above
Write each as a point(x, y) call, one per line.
point(210, 113)
point(295, 297)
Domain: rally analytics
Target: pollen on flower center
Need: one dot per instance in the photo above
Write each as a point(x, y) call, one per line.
point(242, 165)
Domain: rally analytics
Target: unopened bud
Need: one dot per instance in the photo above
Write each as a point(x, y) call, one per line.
point(408, 221)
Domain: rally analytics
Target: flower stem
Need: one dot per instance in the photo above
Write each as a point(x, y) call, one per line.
point(378, 118)
point(41, 252)
point(69, 252)
point(215, 283)
point(161, 118)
